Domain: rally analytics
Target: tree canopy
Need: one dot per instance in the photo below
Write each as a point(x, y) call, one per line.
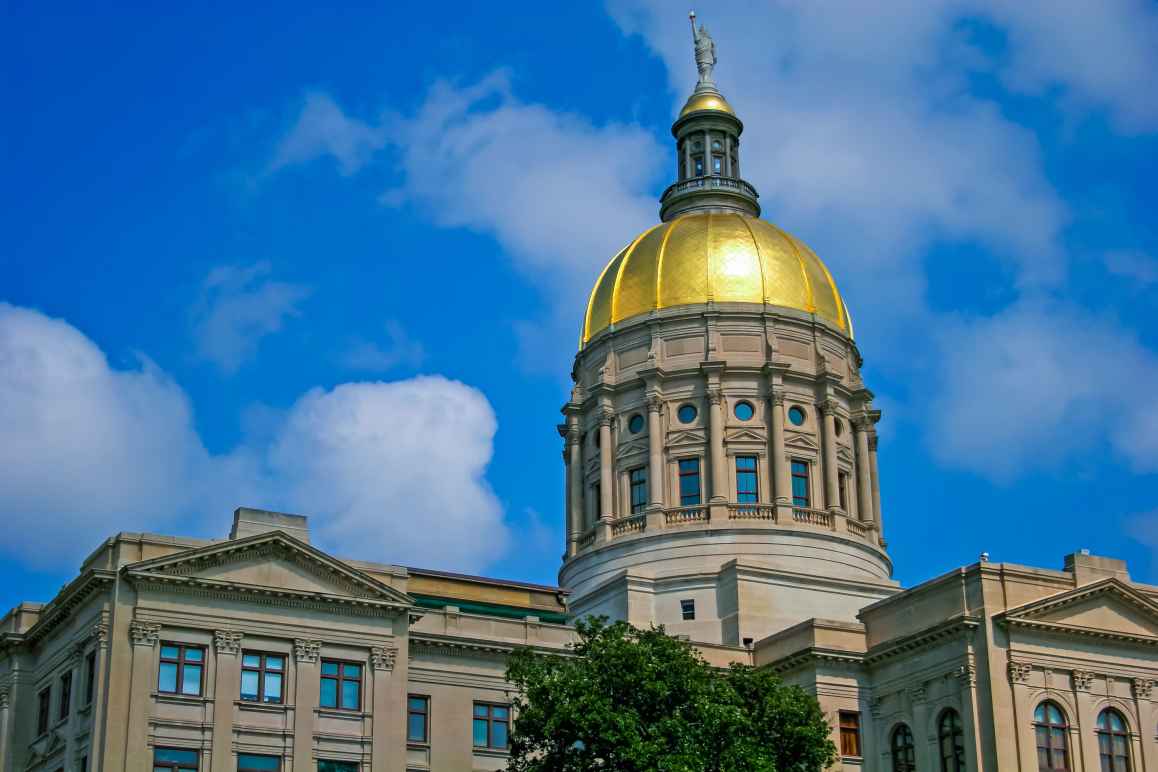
point(634, 700)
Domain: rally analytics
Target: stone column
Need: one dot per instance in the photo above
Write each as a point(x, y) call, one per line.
point(226, 684)
point(781, 478)
point(144, 636)
point(874, 481)
point(606, 474)
point(655, 488)
point(831, 495)
point(574, 455)
point(689, 171)
point(707, 153)
point(5, 719)
point(388, 746)
point(719, 476)
point(100, 639)
point(864, 493)
point(307, 686)
point(728, 154)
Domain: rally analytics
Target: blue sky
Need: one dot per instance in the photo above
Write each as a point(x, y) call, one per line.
point(333, 262)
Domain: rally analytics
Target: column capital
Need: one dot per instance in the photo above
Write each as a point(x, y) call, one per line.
point(654, 402)
point(1143, 688)
point(777, 397)
point(715, 395)
point(828, 407)
point(227, 641)
point(144, 633)
point(606, 416)
point(4, 699)
point(1083, 679)
point(862, 423)
point(382, 657)
point(100, 634)
point(306, 650)
point(872, 442)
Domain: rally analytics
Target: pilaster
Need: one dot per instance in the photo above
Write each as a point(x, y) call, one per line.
point(606, 473)
point(226, 684)
point(144, 636)
point(828, 409)
point(389, 683)
point(306, 688)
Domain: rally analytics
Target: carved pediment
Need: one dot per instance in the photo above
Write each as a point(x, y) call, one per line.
point(745, 435)
point(794, 440)
point(844, 454)
point(635, 446)
point(686, 438)
point(1106, 609)
point(267, 563)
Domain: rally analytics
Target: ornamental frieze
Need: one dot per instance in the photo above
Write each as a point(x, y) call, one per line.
point(227, 641)
point(144, 633)
point(382, 657)
point(307, 650)
point(1019, 671)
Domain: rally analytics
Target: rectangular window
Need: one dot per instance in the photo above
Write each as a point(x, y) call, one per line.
point(596, 501)
point(341, 685)
point(249, 762)
point(490, 725)
point(688, 609)
point(65, 705)
point(325, 765)
point(84, 764)
point(689, 482)
point(43, 710)
point(89, 677)
point(418, 719)
point(849, 733)
point(638, 479)
point(800, 490)
point(699, 164)
point(746, 480)
point(842, 489)
point(262, 676)
point(181, 669)
point(717, 164)
point(174, 760)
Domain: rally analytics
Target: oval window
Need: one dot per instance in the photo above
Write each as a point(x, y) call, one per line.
point(796, 415)
point(687, 414)
point(635, 424)
point(744, 411)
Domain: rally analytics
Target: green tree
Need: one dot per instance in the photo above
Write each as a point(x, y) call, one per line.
point(634, 700)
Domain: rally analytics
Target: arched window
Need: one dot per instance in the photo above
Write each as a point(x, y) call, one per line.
point(951, 741)
point(1113, 741)
point(904, 754)
point(1051, 730)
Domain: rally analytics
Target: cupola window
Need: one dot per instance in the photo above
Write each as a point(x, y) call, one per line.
point(801, 495)
point(689, 482)
point(687, 413)
point(744, 411)
point(796, 416)
point(698, 162)
point(638, 478)
point(635, 424)
point(746, 492)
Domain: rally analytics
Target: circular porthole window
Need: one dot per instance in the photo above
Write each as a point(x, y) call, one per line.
point(687, 413)
point(744, 411)
point(635, 424)
point(796, 415)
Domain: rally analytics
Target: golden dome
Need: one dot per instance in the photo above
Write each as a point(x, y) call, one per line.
point(713, 256)
point(706, 100)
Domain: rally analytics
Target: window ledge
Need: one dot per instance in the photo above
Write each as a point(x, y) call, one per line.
point(494, 752)
point(262, 707)
point(418, 746)
point(349, 715)
point(181, 699)
point(852, 759)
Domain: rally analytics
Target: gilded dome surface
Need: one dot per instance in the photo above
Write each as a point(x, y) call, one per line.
point(706, 100)
point(722, 257)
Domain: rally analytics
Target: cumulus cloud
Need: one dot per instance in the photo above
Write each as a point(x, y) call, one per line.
point(87, 447)
point(1137, 266)
point(388, 471)
point(238, 307)
point(396, 469)
point(322, 129)
point(1039, 384)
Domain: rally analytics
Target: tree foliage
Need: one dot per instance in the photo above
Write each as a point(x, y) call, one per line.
point(634, 700)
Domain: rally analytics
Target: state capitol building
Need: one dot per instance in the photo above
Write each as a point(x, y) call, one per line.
point(721, 480)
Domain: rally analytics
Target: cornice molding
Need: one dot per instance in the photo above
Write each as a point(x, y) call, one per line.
point(961, 626)
point(71, 597)
point(816, 655)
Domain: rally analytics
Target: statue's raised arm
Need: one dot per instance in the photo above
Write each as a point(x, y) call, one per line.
point(705, 51)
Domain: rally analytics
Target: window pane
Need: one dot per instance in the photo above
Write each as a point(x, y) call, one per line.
point(352, 671)
point(329, 695)
point(480, 731)
point(249, 681)
point(167, 677)
point(480, 711)
point(273, 687)
point(416, 731)
point(170, 652)
point(191, 680)
point(275, 663)
point(418, 703)
point(174, 756)
point(500, 712)
point(350, 690)
point(329, 668)
point(499, 734)
point(194, 655)
point(251, 660)
point(264, 763)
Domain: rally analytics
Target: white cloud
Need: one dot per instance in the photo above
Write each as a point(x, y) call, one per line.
point(87, 448)
point(1038, 385)
point(1133, 265)
point(397, 350)
point(388, 471)
point(238, 307)
point(395, 470)
point(321, 130)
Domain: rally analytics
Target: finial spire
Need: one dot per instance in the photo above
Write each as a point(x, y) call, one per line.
point(705, 54)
